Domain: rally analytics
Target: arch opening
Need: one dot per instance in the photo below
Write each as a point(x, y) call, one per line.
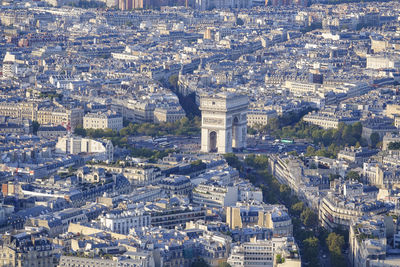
point(213, 142)
point(235, 128)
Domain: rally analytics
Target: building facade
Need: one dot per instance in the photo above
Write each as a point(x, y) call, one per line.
point(263, 253)
point(224, 122)
point(260, 117)
point(102, 150)
point(122, 221)
point(102, 121)
point(23, 249)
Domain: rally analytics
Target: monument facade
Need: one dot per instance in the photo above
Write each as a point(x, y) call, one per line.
point(224, 122)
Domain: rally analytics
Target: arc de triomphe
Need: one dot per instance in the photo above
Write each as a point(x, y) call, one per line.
point(224, 122)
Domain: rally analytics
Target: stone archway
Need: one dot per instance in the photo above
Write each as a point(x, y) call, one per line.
point(235, 134)
point(224, 113)
point(213, 141)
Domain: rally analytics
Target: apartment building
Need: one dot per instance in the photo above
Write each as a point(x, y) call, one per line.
point(389, 138)
point(337, 211)
point(356, 155)
point(168, 216)
point(261, 253)
point(379, 125)
point(121, 221)
point(388, 61)
point(69, 118)
point(367, 241)
point(383, 175)
point(215, 196)
point(272, 217)
point(328, 121)
point(302, 88)
point(103, 121)
point(138, 175)
point(128, 259)
point(260, 117)
point(176, 185)
point(168, 114)
point(25, 249)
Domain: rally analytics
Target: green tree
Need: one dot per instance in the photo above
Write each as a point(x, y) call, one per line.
point(332, 177)
point(261, 161)
point(291, 126)
point(327, 138)
point(347, 134)
point(279, 259)
point(394, 146)
point(335, 243)
point(309, 218)
point(353, 175)
point(35, 127)
point(184, 127)
point(233, 161)
point(297, 208)
point(124, 131)
point(173, 81)
point(284, 193)
point(251, 131)
point(199, 263)
point(311, 248)
point(375, 138)
point(357, 130)
point(250, 160)
point(317, 136)
point(273, 124)
point(310, 151)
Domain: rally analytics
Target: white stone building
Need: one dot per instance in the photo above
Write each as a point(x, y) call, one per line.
point(102, 149)
point(122, 221)
point(383, 61)
point(215, 196)
point(168, 114)
point(260, 117)
point(103, 121)
point(263, 253)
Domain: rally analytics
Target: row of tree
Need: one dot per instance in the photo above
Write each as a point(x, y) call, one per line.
point(345, 134)
point(394, 146)
point(330, 141)
point(184, 127)
point(291, 125)
point(275, 125)
point(335, 243)
point(152, 155)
